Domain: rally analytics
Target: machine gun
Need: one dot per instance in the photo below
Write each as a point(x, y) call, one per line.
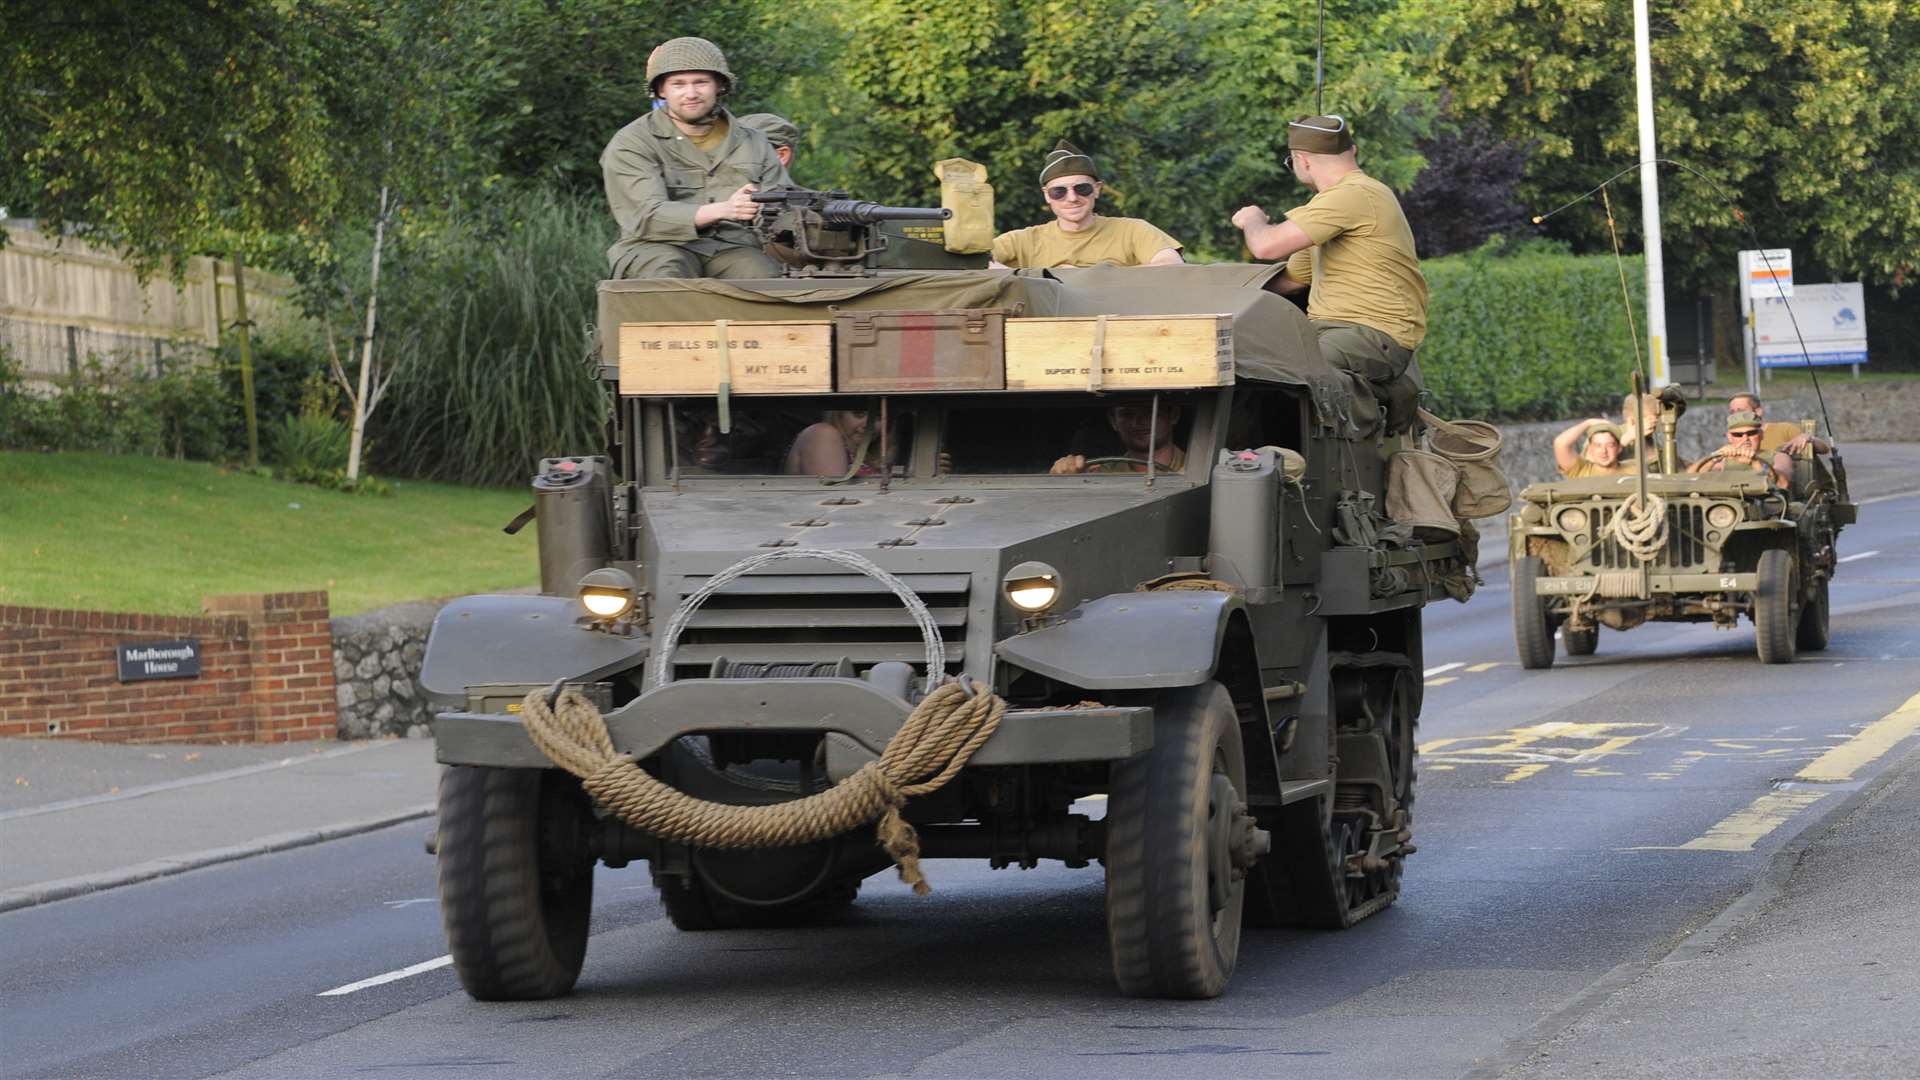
point(826, 233)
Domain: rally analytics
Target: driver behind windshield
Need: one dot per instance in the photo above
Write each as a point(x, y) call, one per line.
point(1137, 428)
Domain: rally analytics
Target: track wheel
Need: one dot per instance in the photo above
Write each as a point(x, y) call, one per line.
point(1179, 842)
point(1776, 609)
point(516, 880)
point(1580, 642)
point(1812, 633)
point(1532, 628)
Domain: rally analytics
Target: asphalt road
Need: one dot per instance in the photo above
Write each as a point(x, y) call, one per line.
point(1569, 822)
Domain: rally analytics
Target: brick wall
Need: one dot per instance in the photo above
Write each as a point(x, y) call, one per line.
point(266, 673)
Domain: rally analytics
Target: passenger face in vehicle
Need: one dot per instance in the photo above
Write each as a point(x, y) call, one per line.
point(1135, 423)
point(851, 422)
point(691, 96)
point(1072, 198)
point(1603, 448)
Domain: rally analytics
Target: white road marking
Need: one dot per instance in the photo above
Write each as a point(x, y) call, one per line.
point(391, 976)
point(1862, 555)
point(396, 904)
point(1432, 671)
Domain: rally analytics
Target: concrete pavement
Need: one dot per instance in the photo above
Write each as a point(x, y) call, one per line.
point(81, 817)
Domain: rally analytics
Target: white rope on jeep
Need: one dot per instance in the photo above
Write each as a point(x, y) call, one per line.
point(929, 631)
point(1640, 528)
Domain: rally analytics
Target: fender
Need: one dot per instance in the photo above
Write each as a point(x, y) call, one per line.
point(1131, 641)
point(479, 640)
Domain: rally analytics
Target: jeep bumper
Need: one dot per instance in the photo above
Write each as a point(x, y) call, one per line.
point(1661, 583)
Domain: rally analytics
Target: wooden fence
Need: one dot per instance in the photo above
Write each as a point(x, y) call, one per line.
point(64, 302)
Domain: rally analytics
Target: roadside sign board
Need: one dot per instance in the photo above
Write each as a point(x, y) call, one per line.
point(1831, 320)
point(142, 660)
point(1767, 272)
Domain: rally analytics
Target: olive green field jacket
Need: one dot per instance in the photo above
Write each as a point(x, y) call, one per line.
point(657, 178)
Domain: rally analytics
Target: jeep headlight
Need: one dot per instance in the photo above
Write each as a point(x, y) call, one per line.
point(1033, 587)
point(1722, 515)
point(607, 593)
point(1572, 520)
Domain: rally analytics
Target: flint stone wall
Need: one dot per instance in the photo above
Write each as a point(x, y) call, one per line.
point(376, 671)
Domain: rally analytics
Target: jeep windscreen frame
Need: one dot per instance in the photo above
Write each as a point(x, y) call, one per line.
point(989, 437)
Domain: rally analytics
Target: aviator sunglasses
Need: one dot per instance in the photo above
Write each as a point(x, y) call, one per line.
point(1059, 191)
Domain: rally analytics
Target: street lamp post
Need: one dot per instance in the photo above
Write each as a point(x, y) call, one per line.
point(1650, 202)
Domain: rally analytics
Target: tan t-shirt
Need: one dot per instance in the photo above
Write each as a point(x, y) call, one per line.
point(1584, 468)
point(1775, 434)
point(1362, 265)
point(1126, 241)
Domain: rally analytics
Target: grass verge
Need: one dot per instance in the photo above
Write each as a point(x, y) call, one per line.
point(113, 533)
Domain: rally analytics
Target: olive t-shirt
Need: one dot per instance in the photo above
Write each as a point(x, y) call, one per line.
point(1584, 468)
point(1362, 265)
point(1775, 434)
point(1126, 241)
point(715, 137)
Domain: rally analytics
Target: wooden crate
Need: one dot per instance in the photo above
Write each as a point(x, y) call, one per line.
point(1138, 352)
point(684, 358)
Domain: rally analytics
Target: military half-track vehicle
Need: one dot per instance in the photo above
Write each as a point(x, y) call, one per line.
point(1192, 634)
point(1673, 546)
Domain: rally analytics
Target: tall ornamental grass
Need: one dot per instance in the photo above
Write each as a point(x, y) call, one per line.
point(491, 366)
point(1531, 335)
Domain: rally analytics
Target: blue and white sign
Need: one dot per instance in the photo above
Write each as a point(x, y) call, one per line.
point(1831, 320)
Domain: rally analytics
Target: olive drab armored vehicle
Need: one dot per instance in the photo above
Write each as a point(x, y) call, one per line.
point(1620, 551)
point(1133, 505)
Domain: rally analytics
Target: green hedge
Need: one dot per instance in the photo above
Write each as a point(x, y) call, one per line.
point(1530, 335)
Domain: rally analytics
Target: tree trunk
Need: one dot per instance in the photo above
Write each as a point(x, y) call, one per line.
point(360, 402)
point(246, 360)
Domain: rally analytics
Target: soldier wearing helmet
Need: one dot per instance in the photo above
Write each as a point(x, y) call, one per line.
point(779, 130)
point(679, 178)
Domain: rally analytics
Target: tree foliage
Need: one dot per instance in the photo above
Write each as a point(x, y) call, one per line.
point(171, 128)
point(1468, 193)
point(1183, 104)
point(1800, 112)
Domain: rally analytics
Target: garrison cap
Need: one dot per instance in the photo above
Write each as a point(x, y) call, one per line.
point(1742, 420)
point(1320, 135)
point(686, 54)
point(778, 129)
point(1066, 159)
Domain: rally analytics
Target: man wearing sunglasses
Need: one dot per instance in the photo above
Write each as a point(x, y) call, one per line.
point(1077, 236)
point(1742, 452)
point(1352, 244)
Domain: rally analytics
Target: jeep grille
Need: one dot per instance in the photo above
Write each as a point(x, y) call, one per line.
point(794, 618)
point(1686, 544)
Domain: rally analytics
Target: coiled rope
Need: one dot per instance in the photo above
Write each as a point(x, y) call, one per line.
point(1640, 527)
point(930, 748)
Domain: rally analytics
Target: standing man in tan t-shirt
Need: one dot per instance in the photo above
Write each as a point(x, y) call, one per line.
point(1077, 236)
point(1351, 243)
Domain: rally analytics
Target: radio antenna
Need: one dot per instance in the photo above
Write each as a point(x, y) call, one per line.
point(1320, 62)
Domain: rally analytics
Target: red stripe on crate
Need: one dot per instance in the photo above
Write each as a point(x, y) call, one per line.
point(918, 335)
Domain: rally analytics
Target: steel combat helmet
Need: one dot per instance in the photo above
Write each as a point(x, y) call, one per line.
point(686, 54)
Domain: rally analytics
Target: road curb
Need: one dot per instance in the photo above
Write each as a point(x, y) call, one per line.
point(46, 892)
point(1767, 887)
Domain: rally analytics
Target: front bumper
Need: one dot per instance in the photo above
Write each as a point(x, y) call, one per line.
point(860, 716)
point(1660, 583)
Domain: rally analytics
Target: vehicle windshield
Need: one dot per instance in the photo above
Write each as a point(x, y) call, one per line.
point(973, 435)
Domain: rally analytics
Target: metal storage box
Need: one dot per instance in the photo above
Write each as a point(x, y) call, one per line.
point(895, 352)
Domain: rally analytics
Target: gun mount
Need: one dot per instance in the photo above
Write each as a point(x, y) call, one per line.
point(815, 233)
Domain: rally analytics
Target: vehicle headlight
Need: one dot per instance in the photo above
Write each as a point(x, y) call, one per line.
point(607, 593)
point(1572, 520)
point(1033, 587)
point(1722, 515)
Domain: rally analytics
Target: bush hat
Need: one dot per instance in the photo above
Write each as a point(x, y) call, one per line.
point(1066, 159)
point(1320, 135)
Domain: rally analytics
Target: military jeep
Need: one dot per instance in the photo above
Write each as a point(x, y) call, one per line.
point(1196, 639)
point(1728, 545)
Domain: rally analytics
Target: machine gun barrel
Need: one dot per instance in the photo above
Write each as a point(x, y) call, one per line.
point(856, 212)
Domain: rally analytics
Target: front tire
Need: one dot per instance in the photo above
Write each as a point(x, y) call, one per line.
point(1775, 608)
point(1532, 628)
point(516, 881)
point(1580, 642)
point(1812, 633)
point(1174, 816)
